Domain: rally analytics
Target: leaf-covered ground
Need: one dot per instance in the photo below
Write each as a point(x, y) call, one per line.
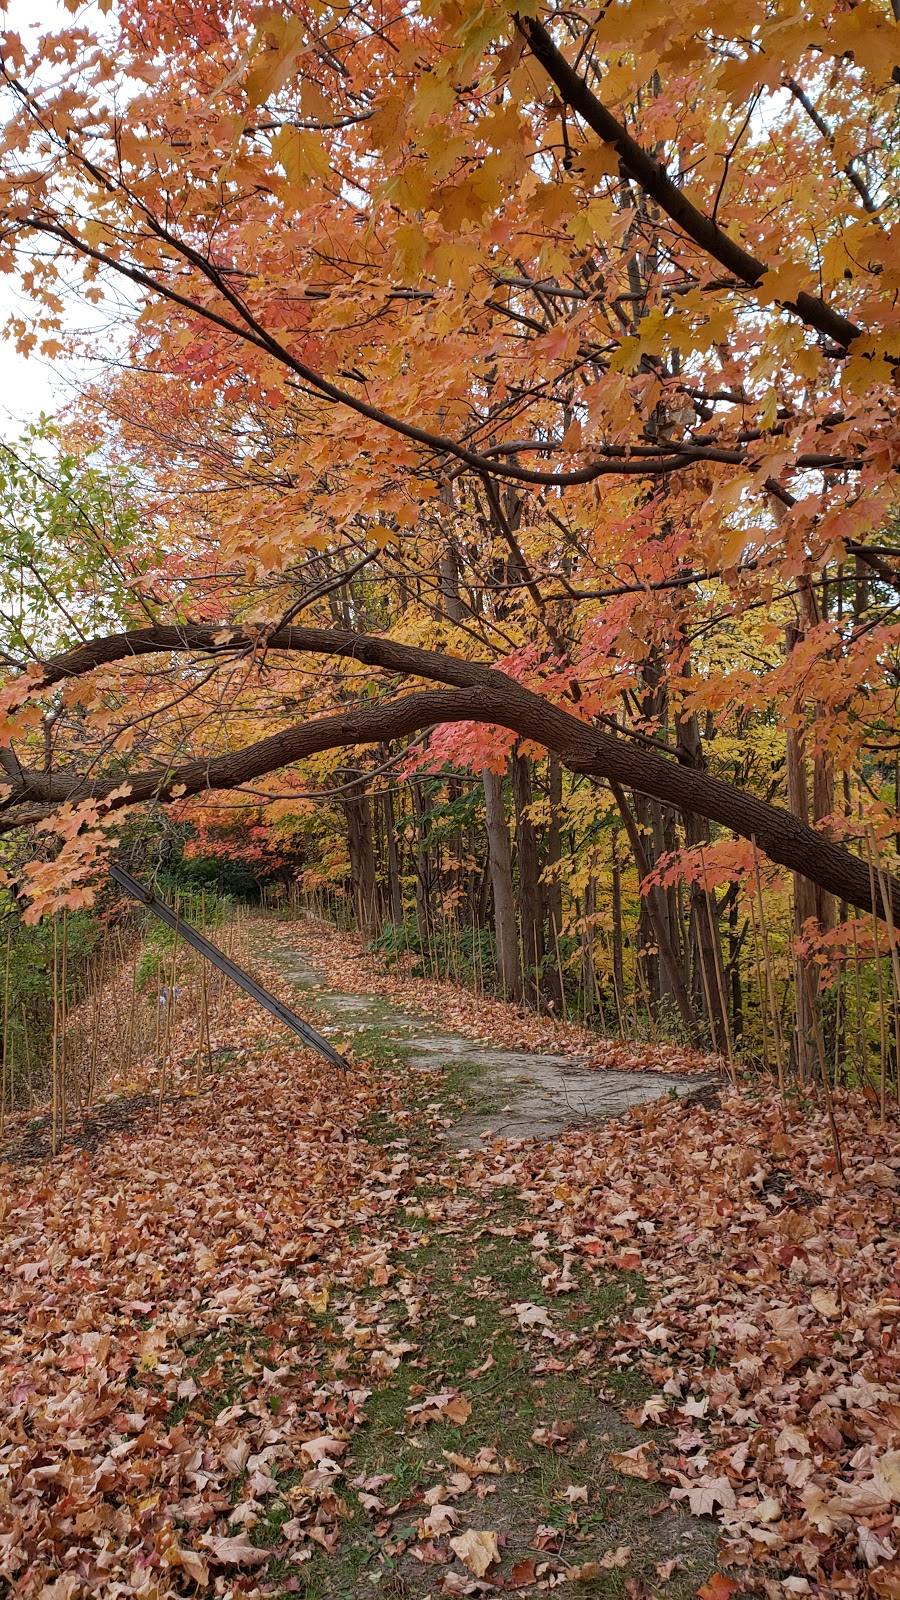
point(283, 1340)
point(350, 966)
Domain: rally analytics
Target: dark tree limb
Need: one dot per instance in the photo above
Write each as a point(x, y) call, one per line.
point(491, 698)
point(655, 182)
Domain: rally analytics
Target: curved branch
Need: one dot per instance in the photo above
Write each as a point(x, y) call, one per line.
point(493, 698)
point(245, 326)
point(38, 794)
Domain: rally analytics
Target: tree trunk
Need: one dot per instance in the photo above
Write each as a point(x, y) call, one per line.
point(394, 886)
point(474, 693)
point(423, 872)
point(588, 974)
point(552, 885)
point(805, 898)
point(648, 945)
point(735, 941)
point(449, 582)
point(669, 958)
point(664, 842)
point(358, 812)
point(618, 951)
point(704, 921)
point(529, 882)
point(505, 937)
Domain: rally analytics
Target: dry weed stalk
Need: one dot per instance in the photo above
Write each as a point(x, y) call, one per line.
point(6, 1065)
point(770, 980)
point(882, 1088)
point(892, 941)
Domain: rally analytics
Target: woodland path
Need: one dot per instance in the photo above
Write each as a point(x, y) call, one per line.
point(411, 1368)
point(514, 1094)
point(542, 1452)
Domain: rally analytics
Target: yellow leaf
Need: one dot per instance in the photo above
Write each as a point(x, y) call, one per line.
point(303, 155)
point(599, 161)
point(869, 34)
point(435, 97)
point(409, 252)
point(782, 283)
point(590, 222)
point(410, 190)
point(282, 39)
point(769, 411)
point(477, 1551)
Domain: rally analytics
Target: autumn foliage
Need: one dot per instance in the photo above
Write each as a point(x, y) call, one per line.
point(480, 519)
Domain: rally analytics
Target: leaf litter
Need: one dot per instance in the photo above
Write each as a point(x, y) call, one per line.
point(199, 1315)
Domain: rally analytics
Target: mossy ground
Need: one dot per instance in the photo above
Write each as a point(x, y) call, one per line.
point(467, 1277)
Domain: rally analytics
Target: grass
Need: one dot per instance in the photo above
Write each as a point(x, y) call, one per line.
point(470, 1290)
point(467, 1276)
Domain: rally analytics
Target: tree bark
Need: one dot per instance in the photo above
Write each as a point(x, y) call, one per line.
point(588, 970)
point(704, 909)
point(394, 886)
point(618, 950)
point(655, 181)
point(358, 814)
point(506, 941)
point(423, 872)
point(551, 884)
point(480, 694)
point(529, 882)
point(669, 958)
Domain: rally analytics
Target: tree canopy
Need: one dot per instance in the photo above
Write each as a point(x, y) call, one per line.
point(551, 357)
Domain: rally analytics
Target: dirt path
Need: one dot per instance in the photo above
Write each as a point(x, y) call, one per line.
point(500, 1417)
point(514, 1094)
point(298, 1331)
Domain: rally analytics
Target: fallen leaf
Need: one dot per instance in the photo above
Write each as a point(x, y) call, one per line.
point(652, 1411)
point(703, 1497)
point(531, 1316)
point(238, 1552)
point(635, 1463)
point(476, 1550)
point(665, 1569)
point(886, 1473)
point(439, 1521)
point(885, 1581)
point(619, 1557)
point(485, 1461)
point(881, 1175)
point(825, 1303)
point(458, 1409)
point(324, 1447)
point(718, 1587)
point(193, 1564)
point(430, 1555)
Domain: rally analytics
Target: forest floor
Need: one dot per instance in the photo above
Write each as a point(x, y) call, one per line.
point(295, 1332)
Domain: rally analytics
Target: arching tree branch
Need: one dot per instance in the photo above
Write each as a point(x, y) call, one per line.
point(490, 698)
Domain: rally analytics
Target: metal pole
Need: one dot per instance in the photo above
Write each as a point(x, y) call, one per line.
point(206, 948)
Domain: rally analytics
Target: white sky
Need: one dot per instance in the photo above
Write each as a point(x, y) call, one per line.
point(31, 384)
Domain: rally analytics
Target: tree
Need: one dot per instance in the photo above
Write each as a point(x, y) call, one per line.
point(416, 290)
